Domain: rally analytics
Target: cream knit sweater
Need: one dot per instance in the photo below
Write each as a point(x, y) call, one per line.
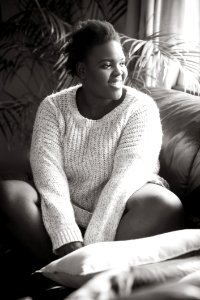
point(85, 170)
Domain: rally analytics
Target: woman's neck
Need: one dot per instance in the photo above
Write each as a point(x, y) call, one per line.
point(92, 107)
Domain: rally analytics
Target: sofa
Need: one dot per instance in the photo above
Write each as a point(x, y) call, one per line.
point(180, 155)
point(179, 158)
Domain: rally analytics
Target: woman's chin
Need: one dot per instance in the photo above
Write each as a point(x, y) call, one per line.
point(117, 94)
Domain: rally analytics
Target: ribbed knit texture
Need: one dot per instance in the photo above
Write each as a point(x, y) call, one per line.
point(85, 170)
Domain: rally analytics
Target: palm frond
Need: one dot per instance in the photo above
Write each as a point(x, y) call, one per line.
point(155, 52)
point(24, 5)
point(9, 118)
point(116, 9)
point(37, 36)
point(111, 10)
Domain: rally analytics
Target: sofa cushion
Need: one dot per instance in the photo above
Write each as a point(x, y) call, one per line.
point(180, 156)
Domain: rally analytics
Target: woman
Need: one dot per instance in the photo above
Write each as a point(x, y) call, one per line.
point(94, 158)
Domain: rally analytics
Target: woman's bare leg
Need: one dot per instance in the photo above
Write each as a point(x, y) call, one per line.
point(19, 208)
point(151, 210)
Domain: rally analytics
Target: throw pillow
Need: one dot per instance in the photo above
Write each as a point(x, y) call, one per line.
point(76, 268)
point(130, 283)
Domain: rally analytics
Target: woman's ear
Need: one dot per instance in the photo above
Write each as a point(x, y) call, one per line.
point(81, 70)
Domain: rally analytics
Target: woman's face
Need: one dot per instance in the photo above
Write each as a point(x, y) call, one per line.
point(105, 71)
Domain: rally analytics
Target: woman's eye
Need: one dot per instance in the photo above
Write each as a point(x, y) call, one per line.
point(106, 66)
point(109, 65)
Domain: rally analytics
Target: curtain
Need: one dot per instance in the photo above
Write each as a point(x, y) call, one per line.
point(180, 17)
point(190, 32)
point(167, 16)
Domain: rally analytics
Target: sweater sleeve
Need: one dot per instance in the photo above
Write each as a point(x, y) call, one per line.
point(134, 163)
point(46, 159)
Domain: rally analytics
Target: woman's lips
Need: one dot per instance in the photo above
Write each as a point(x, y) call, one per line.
point(117, 84)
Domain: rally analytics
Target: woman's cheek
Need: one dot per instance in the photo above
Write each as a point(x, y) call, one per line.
point(105, 74)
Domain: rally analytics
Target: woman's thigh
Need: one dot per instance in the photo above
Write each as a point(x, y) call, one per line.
point(20, 211)
point(18, 199)
point(151, 210)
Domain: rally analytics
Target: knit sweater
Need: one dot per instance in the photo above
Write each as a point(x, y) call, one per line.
point(85, 170)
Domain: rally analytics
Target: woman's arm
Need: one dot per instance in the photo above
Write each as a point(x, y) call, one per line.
point(135, 161)
point(49, 176)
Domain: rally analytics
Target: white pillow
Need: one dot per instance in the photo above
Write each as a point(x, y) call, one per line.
point(76, 268)
point(125, 284)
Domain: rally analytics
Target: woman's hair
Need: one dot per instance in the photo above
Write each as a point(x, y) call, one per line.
point(86, 35)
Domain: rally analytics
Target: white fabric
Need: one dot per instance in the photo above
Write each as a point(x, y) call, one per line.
point(79, 266)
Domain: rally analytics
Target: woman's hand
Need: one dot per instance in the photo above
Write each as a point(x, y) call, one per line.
point(68, 248)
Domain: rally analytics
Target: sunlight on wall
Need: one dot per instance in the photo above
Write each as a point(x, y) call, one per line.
point(190, 33)
point(191, 24)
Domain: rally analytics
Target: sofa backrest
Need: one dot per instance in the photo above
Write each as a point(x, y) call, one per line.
point(180, 155)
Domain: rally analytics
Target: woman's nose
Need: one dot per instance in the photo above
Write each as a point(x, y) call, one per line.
point(117, 70)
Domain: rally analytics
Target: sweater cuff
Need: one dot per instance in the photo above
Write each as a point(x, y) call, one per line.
point(66, 236)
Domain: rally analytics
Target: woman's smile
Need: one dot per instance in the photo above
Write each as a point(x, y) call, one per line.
point(118, 84)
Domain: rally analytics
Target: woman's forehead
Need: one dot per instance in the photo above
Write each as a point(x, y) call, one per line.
point(110, 50)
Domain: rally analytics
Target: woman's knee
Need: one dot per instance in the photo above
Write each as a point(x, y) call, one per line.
point(14, 194)
point(170, 209)
point(156, 199)
point(151, 210)
point(166, 201)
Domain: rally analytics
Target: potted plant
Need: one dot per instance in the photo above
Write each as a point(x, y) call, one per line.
point(32, 48)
